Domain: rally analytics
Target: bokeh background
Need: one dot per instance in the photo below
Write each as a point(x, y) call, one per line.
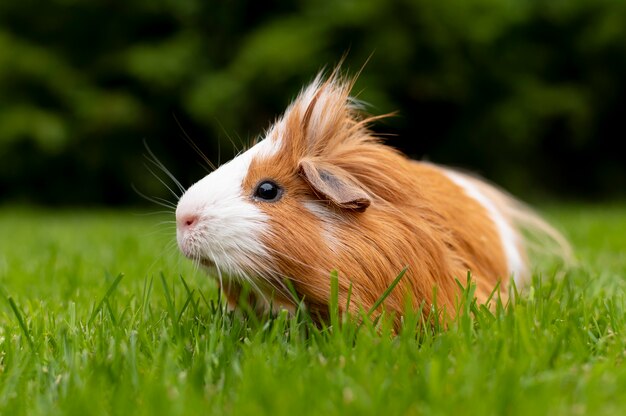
point(528, 93)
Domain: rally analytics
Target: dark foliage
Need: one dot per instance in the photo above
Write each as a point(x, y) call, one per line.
point(528, 93)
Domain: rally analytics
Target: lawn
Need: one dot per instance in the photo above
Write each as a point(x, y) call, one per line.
point(76, 338)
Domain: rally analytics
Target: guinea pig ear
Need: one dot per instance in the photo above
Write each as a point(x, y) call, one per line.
point(334, 184)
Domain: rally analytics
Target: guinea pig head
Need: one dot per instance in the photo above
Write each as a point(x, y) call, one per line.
point(271, 213)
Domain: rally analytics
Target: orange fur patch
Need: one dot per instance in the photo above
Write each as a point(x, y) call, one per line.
point(417, 217)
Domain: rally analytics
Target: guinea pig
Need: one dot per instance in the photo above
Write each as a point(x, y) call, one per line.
point(320, 193)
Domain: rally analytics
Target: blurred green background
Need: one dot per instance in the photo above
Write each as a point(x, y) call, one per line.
point(529, 93)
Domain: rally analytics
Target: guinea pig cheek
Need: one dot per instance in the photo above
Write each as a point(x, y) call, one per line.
point(298, 241)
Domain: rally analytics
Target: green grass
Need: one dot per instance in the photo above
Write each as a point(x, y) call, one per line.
point(76, 338)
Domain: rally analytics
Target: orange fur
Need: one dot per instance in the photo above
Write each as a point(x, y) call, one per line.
point(385, 212)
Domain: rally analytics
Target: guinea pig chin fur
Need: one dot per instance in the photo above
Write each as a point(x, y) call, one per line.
point(352, 204)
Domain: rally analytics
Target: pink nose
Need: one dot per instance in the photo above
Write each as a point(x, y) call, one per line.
point(187, 221)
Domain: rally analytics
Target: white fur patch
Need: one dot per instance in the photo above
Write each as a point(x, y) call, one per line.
point(305, 100)
point(508, 236)
point(228, 225)
point(270, 145)
point(329, 101)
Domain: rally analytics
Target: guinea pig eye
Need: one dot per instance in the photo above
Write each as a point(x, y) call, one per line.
point(268, 191)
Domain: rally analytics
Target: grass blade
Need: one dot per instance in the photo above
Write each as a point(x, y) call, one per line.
point(105, 297)
point(147, 291)
point(185, 305)
point(301, 310)
point(349, 297)
point(194, 304)
point(20, 320)
point(387, 291)
point(334, 300)
point(170, 304)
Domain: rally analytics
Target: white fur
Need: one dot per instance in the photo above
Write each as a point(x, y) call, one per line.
point(319, 116)
point(305, 100)
point(229, 224)
point(271, 144)
point(508, 235)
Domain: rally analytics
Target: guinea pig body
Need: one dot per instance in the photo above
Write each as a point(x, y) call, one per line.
point(319, 193)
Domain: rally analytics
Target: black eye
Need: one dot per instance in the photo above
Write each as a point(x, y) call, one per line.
point(268, 191)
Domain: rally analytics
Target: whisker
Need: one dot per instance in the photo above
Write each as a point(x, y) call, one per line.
point(256, 288)
point(219, 153)
point(166, 249)
point(282, 290)
point(219, 276)
point(162, 181)
point(193, 145)
point(236, 148)
point(167, 222)
point(301, 263)
point(196, 263)
point(146, 214)
point(205, 168)
point(155, 200)
point(237, 271)
point(159, 232)
point(154, 160)
point(168, 225)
